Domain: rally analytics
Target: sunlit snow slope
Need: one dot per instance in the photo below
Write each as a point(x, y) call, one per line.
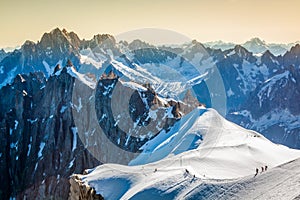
point(202, 148)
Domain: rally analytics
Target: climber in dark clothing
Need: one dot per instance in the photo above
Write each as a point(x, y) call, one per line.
point(262, 169)
point(256, 172)
point(266, 167)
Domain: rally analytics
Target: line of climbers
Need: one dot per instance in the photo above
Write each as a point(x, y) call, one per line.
point(265, 168)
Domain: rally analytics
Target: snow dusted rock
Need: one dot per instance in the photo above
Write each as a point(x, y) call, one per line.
point(131, 114)
point(272, 110)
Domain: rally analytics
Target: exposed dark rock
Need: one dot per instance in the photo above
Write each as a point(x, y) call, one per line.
point(292, 57)
point(37, 134)
point(57, 68)
point(132, 107)
point(81, 191)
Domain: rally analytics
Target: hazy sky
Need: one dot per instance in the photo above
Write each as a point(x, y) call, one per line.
point(204, 20)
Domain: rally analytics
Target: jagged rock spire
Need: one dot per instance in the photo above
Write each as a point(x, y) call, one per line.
point(57, 68)
point(69, 63)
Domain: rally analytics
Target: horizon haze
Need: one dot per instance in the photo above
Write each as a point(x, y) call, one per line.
point(229, 20)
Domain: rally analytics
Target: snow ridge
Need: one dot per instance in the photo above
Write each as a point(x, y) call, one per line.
point(169, 166)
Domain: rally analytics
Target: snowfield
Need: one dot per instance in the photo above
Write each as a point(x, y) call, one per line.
point(203, 156)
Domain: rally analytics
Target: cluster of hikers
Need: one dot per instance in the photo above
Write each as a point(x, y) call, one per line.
point(263, 169)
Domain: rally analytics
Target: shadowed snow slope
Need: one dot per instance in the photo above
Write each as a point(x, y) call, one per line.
point(202, 151)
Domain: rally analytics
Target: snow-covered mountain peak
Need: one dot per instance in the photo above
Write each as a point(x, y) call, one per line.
point(201, 146)
point(219, 44)
point(195, 46)
point(256, 41)
point(206, 131)
point(241, 51)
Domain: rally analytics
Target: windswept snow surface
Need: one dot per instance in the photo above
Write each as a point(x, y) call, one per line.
point(202, 149)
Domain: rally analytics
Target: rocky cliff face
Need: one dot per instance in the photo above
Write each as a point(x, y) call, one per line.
point(40, 149)
point(48, 130)
point(272, 109)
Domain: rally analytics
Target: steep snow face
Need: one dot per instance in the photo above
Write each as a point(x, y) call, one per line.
point(168, 79)
point(202, 147)
point(211, 136)
point(280, 79)
point(82, 77)
point(184, 136)
point(256, 45)
point(96, 59)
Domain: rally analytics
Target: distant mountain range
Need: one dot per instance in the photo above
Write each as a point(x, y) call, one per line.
point(255, 45)
point(172, 70)
point(10, 49)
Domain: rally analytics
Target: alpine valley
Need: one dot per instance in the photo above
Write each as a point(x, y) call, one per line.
point(101, 119)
